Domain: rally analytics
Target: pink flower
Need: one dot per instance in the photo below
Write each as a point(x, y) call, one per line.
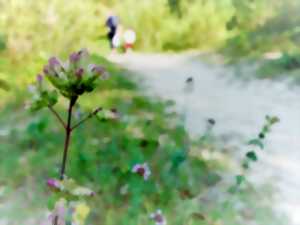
point(79, 73)
point(53, 67)
point(142, 169)
point(74, 57)
point(53, 63)
point(158, 218)
point(53, 183)
point(39, 78)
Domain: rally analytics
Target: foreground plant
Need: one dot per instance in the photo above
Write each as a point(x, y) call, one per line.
point(251, 156)
point(70, 79)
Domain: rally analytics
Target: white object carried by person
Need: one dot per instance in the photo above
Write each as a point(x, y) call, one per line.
point(129, 39)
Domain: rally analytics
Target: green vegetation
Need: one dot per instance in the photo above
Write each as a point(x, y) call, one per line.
point(237, 29)
point(261, 26)
point(287, 64)
point(104, 150)
point(261, 29)
point(162, 30)
point(101, 156)
point(240, 28)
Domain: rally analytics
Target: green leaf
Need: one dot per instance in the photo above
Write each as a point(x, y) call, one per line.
point(239, 179)
point(52, 97)
point(178, 158)
point(252, 155)
point(266, 129)
point(256, 142)
point(51, 201)
point(272, 119)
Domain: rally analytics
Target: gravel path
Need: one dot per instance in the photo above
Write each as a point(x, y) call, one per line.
point(239, 109)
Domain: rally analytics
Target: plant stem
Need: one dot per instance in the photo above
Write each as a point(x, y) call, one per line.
point(86, 118)
point(68, 131)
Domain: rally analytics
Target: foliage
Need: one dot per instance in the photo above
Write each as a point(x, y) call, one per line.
point(262, 27)
point(251, 155)
point(39, 29)
point(191, 30)
point(244, 27)
point(162, 30)
point(287, 63)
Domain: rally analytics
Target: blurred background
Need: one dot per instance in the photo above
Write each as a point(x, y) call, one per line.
point(186, 74)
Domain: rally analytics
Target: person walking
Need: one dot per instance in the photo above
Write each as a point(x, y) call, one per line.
point(112, 23)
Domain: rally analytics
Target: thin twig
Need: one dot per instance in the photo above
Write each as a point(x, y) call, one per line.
point(86, 118)
point(57, 116)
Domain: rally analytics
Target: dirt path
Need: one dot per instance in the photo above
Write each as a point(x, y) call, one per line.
point(239, 109)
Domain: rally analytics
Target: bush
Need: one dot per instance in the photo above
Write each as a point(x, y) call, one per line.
point(261, 27)
point(61, 26)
